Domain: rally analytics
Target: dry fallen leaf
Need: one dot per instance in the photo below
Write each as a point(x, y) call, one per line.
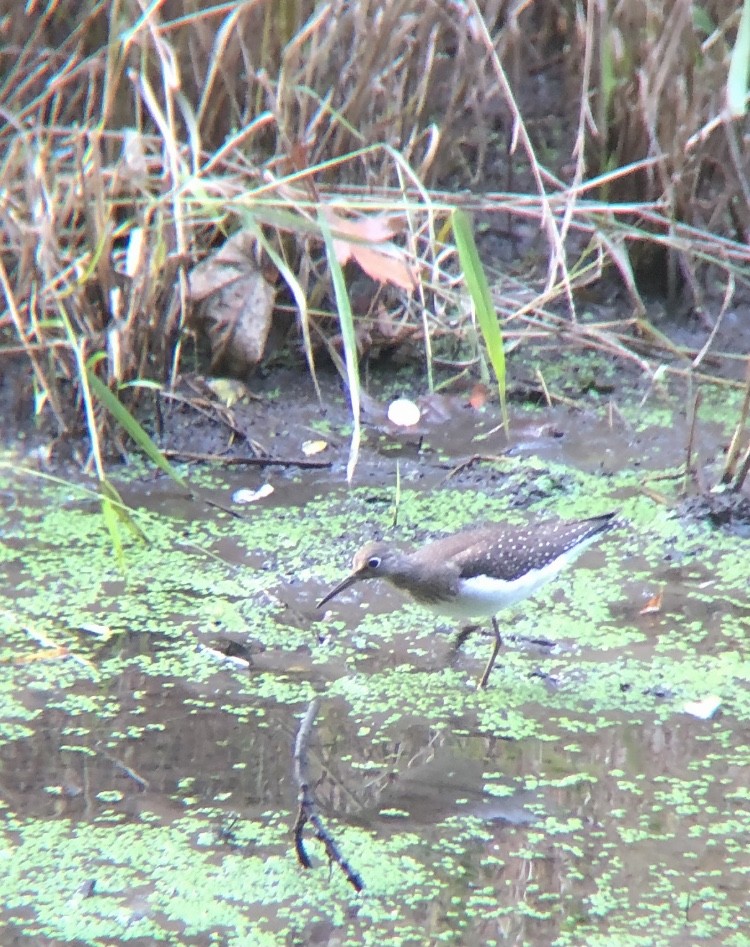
point(374, 229)
point(229, 391)
point(653, 605)
point(479, 395)
point(236, 304)
point(310, 448)
point(252, 496)
point(223, 266)
point(385, 262)
point(704, 708)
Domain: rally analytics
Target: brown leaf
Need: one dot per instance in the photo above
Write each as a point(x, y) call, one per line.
point(231, 260)
point(310, 448)
point(653, 605)
point(478, 396)
point(236, 304)
point(386, 263)
point(375, 229)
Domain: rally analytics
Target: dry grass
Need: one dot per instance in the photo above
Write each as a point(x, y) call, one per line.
point(136, 138)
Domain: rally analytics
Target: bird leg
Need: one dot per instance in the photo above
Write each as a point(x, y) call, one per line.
point(460, 640)
point(495, 651)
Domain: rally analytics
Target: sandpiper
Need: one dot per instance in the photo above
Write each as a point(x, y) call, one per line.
point(479, 571)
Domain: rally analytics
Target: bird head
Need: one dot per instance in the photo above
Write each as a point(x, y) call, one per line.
point(370, 562)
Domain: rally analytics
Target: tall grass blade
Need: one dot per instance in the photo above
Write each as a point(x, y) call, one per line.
point(296, 290)
point(126, 420)
point(739, 66)
point(479, 290)
point(346, 322)
point(111, 521)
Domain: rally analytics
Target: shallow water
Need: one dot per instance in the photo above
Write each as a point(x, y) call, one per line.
point(147, 780)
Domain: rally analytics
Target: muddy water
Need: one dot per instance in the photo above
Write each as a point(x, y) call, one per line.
point(147, 780)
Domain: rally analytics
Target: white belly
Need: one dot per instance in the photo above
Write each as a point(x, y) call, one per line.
point(483, 596)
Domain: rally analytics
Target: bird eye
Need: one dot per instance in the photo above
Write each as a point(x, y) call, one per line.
point(373, 562)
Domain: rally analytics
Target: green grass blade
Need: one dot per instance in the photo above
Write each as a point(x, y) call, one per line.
point(479, 290)
point(126, 420)
point(296, 290)
point(346, 322)
point(111, 521)
point(739, 66)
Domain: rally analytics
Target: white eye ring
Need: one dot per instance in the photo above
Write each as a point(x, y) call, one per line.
point(374, 562)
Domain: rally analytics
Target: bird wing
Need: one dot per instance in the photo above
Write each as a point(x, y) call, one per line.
point(511, 551)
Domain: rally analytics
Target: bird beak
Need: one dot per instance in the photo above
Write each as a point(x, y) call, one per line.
point(349, 580)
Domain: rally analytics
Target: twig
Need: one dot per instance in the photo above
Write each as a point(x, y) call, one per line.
point(703, 377)
point(217, 506)
point(127, 770)
point(734, 447)
point(307, 808)
point(470, 461)
point(209, 410)
point(728, 296)
point(742, 472)
point(304, 463)
point(691, 439)
point(545, 389)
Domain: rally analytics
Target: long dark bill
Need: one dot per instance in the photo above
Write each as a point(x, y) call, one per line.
point(349, 580)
